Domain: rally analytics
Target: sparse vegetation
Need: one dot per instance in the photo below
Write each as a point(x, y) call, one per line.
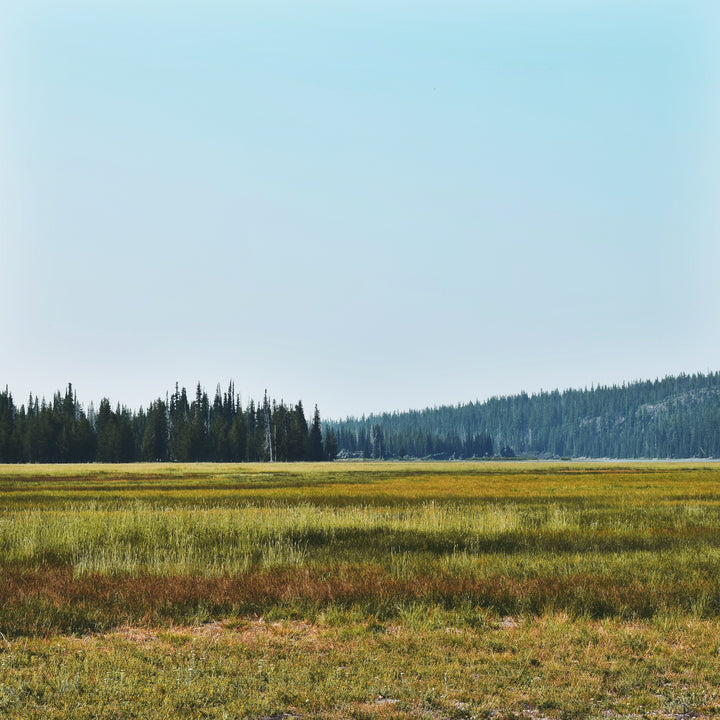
point(356, 590)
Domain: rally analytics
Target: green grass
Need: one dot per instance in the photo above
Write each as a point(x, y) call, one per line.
point(428, 663)
point(384, 590)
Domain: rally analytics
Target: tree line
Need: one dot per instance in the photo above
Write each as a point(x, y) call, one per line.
point(179, 428)
point(676, 417)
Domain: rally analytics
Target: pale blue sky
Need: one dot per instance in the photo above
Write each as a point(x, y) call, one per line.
point(372, 206)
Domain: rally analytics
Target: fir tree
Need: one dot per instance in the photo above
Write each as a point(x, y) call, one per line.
point(314, 444)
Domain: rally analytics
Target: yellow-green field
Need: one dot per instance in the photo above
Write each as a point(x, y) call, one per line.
point(456, 590)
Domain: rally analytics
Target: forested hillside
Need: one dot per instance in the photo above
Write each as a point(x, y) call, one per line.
point(676, 417)
point(176, 428)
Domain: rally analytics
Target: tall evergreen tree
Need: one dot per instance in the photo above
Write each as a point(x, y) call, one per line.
point(8, 450)
point(298, 434)
point(105, 432)
point(238, 436)
point(219, 430)
point(155, 438)
point(315, 445)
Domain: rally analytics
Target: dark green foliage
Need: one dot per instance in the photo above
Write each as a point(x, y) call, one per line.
point(677, 417)
point(45, 432)
point(179, 413)
point(174, 429)
point(8, 438)
point(314, 446)
point(155, 437)
point(507, 452)
point(252, 440)
point(115, 438)
point(298, 433)
point(238, 436)
point(219, 431)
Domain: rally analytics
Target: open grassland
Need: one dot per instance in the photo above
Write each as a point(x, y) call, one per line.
point(360, 590)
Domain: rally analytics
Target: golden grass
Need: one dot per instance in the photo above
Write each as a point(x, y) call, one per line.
point(360, 590)
point(543, 667)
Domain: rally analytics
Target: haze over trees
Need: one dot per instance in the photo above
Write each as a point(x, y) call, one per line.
point(178, 428)
point(676, 417)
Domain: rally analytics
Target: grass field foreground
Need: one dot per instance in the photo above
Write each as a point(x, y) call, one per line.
point(360, 590)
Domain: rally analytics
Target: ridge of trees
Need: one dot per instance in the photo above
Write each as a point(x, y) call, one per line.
point(676, 417)
point(175, 429)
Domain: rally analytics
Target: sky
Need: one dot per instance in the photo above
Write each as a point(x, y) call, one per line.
point(371, 206)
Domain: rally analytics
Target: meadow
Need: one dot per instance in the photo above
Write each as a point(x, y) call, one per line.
point(463, 590)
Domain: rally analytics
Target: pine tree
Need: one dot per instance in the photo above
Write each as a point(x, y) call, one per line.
point(314, 444)
point(252, 446)
point(298, 435)
point(105, 432)
point(218, 433)
point(154, 445)
point(238, 436)
point(8, 449)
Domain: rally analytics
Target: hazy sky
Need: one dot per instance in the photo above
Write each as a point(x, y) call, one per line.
point(368, 205)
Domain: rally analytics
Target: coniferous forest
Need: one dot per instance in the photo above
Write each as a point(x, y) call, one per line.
point(175, 429)
point(676, 417)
